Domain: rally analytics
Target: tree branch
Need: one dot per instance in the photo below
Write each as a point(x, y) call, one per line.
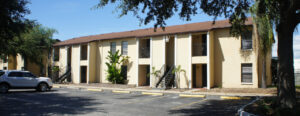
point(297, 18)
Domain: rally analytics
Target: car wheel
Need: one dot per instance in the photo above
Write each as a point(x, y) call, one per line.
point(4, 88)
point(42, 87)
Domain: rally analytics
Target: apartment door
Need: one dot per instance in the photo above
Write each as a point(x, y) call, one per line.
point(83, 74)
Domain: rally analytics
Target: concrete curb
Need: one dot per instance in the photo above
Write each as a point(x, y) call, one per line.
point(228, 96)
point(241, 111)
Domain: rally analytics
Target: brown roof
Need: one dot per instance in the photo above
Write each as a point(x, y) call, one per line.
point(186, 28)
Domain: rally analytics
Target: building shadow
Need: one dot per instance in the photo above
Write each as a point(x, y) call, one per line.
point(31, 103)
point(212, 108)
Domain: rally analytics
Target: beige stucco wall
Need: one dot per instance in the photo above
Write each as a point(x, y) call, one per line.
point(62, 63)
point(211, 57)
point(20, 62)
point(92, 62)
point(104, 47)
point(75, 64)
point(157, 57)
point(182, 57)
point(228, 59)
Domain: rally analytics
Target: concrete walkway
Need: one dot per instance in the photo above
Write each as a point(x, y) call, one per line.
point(215, 92)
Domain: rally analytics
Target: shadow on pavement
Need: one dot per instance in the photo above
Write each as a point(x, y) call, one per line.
point(32, 103)
point(212, 108)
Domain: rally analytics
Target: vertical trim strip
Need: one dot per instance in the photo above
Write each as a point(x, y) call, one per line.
point(79, 72)
point(164, 52)
point(137, 60)
point(151, 65)
point(208, 59)
point(88, 64)
point(175, 58)
point(190, 59)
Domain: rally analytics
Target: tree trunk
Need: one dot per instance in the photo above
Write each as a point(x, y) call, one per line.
point(286, 80)
point(263, 78)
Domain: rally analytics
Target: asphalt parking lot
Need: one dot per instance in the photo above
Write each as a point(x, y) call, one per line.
point(66, 101)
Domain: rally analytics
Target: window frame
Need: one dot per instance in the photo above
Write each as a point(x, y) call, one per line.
point(242, 73)
point(122, 48)
point(111, 47)
point(244, 37)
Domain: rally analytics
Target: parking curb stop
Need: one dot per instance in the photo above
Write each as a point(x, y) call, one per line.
point(120, 91)
point(152, 93)
point(191, 95)
point(99, 90)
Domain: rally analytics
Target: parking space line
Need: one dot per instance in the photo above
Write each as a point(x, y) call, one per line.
point(118, 91)
point(145, 100)
point(189, 104)
point(97, 90)
point(190, 95)
point(151, 93)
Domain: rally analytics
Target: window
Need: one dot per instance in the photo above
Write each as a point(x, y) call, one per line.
point(124, 47)
point(1, 73)
point(113, 47)
point(247, 40)
point(246, 73)
point(28, 75)
point(56, 54)
point(83, 52)
point(5, 60)
point(124, 72)
point(15, 74)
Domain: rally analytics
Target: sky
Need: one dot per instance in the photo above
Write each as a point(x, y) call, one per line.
point(76, 18)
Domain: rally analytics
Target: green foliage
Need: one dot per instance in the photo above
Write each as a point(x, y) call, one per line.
point(13, 21)
point(33, 44)
point(161, 10)
point(178, 70)
point(264, 29)
point(115, 60)
point(55, 69)
point(154, 72)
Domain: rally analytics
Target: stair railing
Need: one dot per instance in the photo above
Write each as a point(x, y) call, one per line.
point(164, 76)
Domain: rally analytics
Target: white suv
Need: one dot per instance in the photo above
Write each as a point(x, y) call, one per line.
point(14, 79)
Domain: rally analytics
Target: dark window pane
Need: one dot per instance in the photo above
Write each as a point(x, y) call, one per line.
point(247, 40)
point(1, 73)
point(124, 72)
point(15, 74)
point(84, 51)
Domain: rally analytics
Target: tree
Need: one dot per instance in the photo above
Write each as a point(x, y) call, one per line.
point(12, 21)
point(264, 29)
point(114, 68)
point(33, 44)
point(284, 14)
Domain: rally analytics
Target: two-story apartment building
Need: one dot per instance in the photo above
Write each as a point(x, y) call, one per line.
point(17, 63)
point(208, 55)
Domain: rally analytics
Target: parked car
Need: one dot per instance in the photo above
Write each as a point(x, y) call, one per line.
point(15, 79)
